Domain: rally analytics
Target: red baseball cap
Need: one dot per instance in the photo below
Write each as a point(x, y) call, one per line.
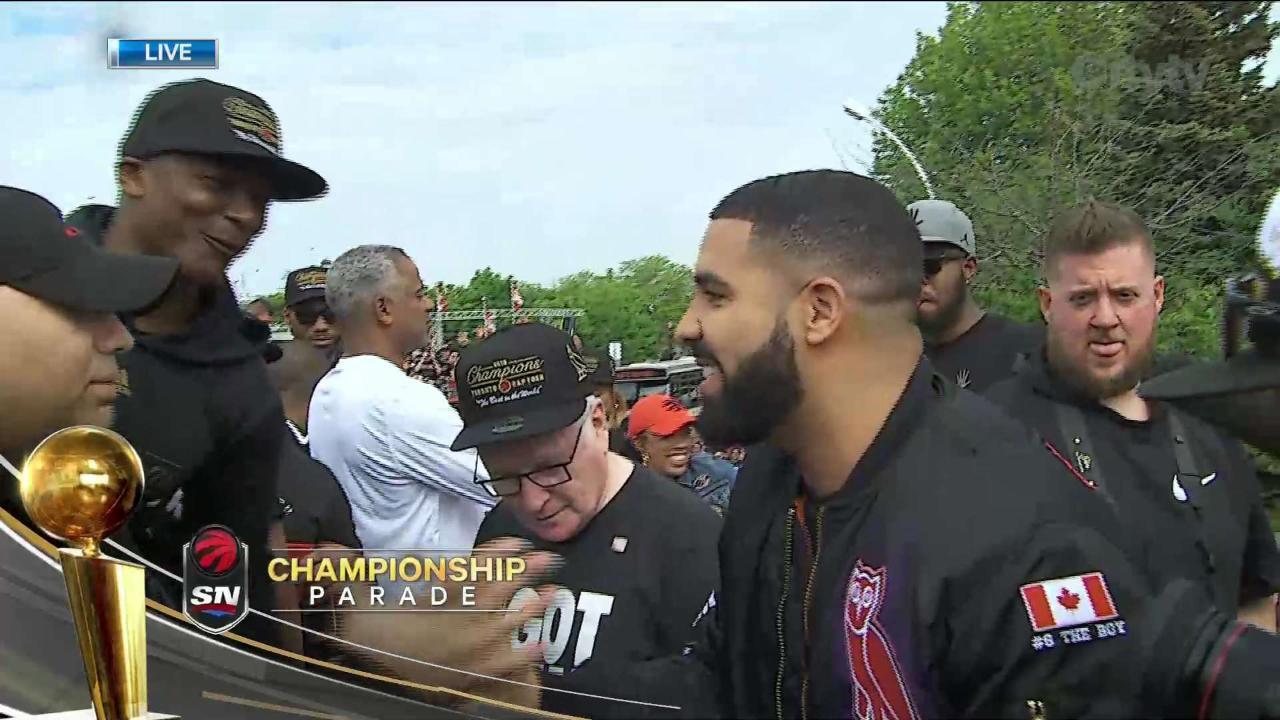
point(661, 415)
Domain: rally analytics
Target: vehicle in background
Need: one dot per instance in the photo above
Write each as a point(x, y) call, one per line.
point(678, 378)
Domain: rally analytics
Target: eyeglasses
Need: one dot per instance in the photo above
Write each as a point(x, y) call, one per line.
point(309, 315)
point(547, 477)
point(933, 265)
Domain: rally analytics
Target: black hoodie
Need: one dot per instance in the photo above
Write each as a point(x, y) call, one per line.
point(206, 421)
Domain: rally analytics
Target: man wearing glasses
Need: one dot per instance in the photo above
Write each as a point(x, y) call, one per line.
point(973, 347)
point(306, 311)
point(639, 551)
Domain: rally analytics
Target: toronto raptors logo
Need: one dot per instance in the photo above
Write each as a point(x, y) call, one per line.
point(215, 579)
point(878, 690)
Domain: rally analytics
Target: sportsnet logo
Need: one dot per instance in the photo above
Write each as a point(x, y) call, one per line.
point(215, 579)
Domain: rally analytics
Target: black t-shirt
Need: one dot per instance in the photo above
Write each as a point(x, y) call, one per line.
point(1207, 526)
point(986, 353)
point(313, 506)
point(635, 579)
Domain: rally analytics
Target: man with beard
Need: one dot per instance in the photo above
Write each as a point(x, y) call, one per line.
point(974, 347)
point(198, 168)
point(1189, 493)
point(898, 548)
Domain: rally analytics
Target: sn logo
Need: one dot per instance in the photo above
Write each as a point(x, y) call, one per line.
point(205, 595)
point(556, 625)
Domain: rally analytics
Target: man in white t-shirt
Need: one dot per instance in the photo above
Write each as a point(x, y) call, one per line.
point(385, 435)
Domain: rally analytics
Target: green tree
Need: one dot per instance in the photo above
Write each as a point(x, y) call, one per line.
point(1020, 109)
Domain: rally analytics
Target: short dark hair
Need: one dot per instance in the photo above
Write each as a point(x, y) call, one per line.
point(835, 219)
point(260, 301)
point(1090, 228)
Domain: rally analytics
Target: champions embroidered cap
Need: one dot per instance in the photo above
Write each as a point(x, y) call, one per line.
point(44, 258)
point(942, 222)
point(304, 284)
point(661, 415)
point(202, 116)
point(522, 381)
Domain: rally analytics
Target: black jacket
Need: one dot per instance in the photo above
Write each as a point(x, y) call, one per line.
point(929, 573)
point(204, 418)
point(1199, 517)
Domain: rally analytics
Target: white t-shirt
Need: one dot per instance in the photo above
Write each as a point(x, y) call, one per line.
point(386, 437)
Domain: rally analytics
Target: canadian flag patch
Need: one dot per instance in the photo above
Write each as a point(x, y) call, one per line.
point(1067, 602)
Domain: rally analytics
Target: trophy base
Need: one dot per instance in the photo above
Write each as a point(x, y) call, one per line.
point(91, 715)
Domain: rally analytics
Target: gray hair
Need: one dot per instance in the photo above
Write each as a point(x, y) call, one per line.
point(359, 275)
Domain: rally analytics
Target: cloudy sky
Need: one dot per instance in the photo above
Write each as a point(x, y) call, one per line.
point(539, 139)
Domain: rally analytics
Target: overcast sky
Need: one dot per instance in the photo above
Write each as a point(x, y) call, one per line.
point(539, 139)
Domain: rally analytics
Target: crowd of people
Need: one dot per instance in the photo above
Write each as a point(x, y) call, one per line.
point(942, 512)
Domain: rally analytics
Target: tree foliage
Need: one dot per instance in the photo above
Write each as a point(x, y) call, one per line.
point(635, 303)
point(1019, 110)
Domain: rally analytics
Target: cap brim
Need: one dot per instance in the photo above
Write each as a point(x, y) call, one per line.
point(1245, 372)
point(533, 423)
point(935, 240)
point(289, 180)
point(668, 426)
point(99, 281)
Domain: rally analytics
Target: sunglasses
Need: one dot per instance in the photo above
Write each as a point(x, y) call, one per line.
point(547, 477)
point(934, 265)
point(309, 315)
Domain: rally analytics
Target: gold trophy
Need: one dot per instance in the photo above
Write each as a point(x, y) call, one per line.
point(79, 485)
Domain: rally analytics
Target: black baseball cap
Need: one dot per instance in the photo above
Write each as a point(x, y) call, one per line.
point(43, 257)
point(522, 381)
point(304, 284)
point(202, 116)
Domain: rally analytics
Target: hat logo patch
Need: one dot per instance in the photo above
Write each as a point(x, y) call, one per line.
point(505, 379)
point(252, 123)
point(310, 279)
point(582, 364)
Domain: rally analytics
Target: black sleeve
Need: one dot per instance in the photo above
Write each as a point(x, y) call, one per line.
point(1073, 671)
point(688, 680)
point(690, 575)
point(1260, 572)
point(688, 624)
point(238, 489)
point(336, 525)
point(493, 526)
point(1012, 639)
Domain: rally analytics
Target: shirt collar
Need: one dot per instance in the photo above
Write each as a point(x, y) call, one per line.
point(297, 434)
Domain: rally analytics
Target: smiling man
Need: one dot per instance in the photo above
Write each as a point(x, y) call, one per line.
point(895, 547)
point(639, 551)
point(1189, 493)
point(197, 170)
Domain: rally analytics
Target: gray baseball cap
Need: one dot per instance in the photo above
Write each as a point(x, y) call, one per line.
point(942, 222)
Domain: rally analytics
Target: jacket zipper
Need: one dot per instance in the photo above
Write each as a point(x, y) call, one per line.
point(808, 595)
point(782, 605)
